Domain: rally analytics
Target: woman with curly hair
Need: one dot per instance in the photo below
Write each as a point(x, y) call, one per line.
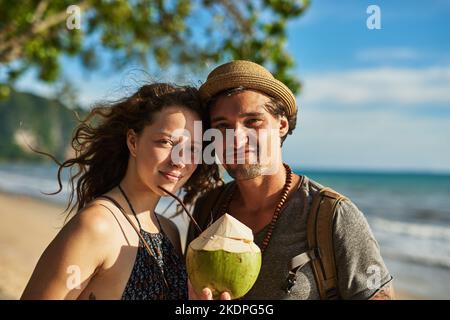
point(116, 246)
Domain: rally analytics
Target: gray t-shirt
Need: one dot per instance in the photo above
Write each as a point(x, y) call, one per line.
point(360, 267)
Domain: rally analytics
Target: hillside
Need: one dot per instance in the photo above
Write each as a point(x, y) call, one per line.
point(45, 124)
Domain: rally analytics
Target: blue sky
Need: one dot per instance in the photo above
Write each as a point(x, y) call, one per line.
point(372, 99)
point(377, 99)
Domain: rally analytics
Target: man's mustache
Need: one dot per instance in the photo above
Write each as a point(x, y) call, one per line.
point(241, 151)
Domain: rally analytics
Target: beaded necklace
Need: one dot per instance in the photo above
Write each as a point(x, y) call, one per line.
point(276, 214)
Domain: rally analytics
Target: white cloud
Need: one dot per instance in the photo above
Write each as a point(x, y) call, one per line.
point(393, 86)
point(372, 140)
point(351, 133)
point(393, 54)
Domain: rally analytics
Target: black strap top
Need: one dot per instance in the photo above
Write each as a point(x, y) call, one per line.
point(159, 276)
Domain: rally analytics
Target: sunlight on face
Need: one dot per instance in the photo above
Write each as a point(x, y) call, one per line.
point(244, 112)
point(155, 165)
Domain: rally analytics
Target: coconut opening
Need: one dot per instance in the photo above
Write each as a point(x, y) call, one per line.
point(228, 234)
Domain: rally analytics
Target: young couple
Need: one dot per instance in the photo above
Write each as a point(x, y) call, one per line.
point(117, 247)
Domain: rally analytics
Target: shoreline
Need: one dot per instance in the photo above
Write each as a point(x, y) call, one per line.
point(28, 225)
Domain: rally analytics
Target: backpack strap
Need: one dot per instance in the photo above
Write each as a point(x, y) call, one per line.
point(320, 241)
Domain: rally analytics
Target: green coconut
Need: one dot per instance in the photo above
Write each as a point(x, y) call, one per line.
point(224, 258)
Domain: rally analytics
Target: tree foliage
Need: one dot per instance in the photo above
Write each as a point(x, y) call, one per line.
point(197, 34)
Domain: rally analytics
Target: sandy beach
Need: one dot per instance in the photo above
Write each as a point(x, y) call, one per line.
point(27, 227)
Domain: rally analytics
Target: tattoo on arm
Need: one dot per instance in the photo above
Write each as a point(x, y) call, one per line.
point(385, 293)
point(92, 296)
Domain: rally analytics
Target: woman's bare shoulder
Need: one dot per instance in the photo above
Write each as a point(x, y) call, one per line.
point(95, 220)
point(85, 243)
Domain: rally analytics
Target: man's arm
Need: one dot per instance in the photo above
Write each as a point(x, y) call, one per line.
point(358, 256)
point(385, 293)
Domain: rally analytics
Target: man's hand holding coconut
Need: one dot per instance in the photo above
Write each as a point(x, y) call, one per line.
point(223, 262)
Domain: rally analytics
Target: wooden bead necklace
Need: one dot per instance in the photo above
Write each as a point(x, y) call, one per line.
point(276, 214)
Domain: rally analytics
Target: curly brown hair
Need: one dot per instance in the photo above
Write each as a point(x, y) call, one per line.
point(101, 151)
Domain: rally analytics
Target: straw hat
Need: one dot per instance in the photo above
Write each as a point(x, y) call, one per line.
point(249, 75)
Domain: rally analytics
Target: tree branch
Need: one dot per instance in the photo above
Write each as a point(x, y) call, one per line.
point(237, 16)
point(57, 18)
point(12, 48)
point(42, 6)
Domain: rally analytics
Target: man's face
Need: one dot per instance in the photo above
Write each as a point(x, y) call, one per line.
point(253, 140)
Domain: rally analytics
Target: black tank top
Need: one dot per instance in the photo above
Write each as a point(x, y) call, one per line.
point(146, 281)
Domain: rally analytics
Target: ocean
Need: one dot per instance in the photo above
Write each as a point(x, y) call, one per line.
point(408, 213)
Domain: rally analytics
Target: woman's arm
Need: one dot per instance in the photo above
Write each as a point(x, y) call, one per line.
point(72, 258)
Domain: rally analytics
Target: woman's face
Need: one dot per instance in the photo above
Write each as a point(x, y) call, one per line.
point(172, 129)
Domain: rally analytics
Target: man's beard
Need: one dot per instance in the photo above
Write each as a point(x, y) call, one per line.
point(244, 171)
